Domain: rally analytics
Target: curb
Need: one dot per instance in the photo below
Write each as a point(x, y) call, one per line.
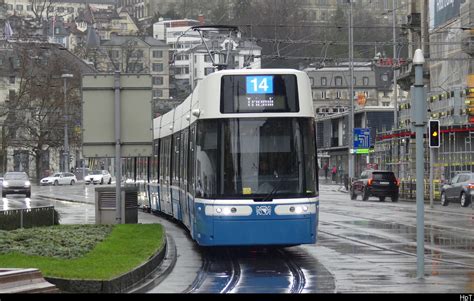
point(61, 199)
point(120, 284)
point(161, 272)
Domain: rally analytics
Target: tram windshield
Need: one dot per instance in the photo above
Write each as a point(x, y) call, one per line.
point(262, 158)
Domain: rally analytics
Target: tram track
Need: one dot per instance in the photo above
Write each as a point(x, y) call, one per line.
point(224, 268)
point(220, 272)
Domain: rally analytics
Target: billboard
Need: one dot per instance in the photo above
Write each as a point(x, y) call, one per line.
point(444, 10)
point(98, 117)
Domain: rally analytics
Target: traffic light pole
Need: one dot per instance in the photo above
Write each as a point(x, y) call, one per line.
point(432, 154)
point(419, 107)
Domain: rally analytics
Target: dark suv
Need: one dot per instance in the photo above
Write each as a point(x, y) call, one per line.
point(460, 188)
point(16, 183)
point(379, 183)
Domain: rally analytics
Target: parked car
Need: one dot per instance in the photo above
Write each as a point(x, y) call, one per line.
point(460, 189)
point(378, 183)
point(98, 177)
point(16, 183)
point(59, 178)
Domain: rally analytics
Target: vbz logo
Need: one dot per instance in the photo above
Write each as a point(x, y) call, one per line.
point(264, 210)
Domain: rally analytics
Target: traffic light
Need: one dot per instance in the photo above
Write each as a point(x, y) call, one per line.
point(434, 133)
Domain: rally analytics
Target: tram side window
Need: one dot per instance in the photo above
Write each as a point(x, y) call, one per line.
point(175, 159)
point(309, 155)
point(206, 159)
point(184, 158)
point(165, 167)
point(155, 165)
point(191, 161)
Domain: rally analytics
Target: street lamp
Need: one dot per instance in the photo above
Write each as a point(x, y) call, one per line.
point(395, 89)
point(66, 140)
point(351, 95)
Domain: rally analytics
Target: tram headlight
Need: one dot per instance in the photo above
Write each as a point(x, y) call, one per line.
point(295, 209)
point(218, 210)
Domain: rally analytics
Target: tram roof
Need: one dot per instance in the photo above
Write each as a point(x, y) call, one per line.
point(204, 102)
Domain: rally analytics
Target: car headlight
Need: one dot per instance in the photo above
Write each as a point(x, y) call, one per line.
point(5, 184)
point(27, 184)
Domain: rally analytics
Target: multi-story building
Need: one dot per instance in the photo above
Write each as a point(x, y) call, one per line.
point(64, 9)
point(190, 59)
point(444, 31)
point(373, 100)
point(242, 54)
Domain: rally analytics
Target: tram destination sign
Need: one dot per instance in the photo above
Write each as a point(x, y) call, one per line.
point(259, 94)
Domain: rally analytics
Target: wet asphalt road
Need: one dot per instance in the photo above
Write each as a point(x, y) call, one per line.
point(362, 247)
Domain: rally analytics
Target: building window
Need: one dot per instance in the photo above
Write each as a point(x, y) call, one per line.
point(19, 7)
point(338, 94)
point(157, 54)
point(208, 70)
point(12, 80)
point(207, 58)
point(157, 80)
point(338, 81)
point(157, 93)
point(324, 81)
point(366, 81)
point(324, 94)
point(157, 67)
point(11, 95)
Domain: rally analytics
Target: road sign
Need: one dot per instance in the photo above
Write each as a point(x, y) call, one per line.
point(98, 95)
point(361, 138)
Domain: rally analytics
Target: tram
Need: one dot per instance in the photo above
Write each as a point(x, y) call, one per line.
point(236, 161)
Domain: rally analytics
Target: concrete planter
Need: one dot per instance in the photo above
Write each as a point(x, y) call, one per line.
point(120, 284)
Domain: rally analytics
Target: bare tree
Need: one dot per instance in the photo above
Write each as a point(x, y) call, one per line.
point(41, 9)
point(35, 117)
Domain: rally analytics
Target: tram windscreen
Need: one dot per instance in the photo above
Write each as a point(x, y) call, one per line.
point(262, 158)
point(259, 93)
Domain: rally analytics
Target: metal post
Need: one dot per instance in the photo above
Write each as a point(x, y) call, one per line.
point(419, 104)
point(395, 89)
point(432, 154)
point(66, 138)
point(118, 159)
point(351, 96)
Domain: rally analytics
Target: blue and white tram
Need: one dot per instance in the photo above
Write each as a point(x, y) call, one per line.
point(237, 160)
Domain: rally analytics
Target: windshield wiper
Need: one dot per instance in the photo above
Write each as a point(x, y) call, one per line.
point(268, 197)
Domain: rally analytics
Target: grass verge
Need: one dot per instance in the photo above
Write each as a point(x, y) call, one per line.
point(127, 247)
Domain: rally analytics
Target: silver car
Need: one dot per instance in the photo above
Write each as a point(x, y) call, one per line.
point(460, 188)
point(59, 178)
